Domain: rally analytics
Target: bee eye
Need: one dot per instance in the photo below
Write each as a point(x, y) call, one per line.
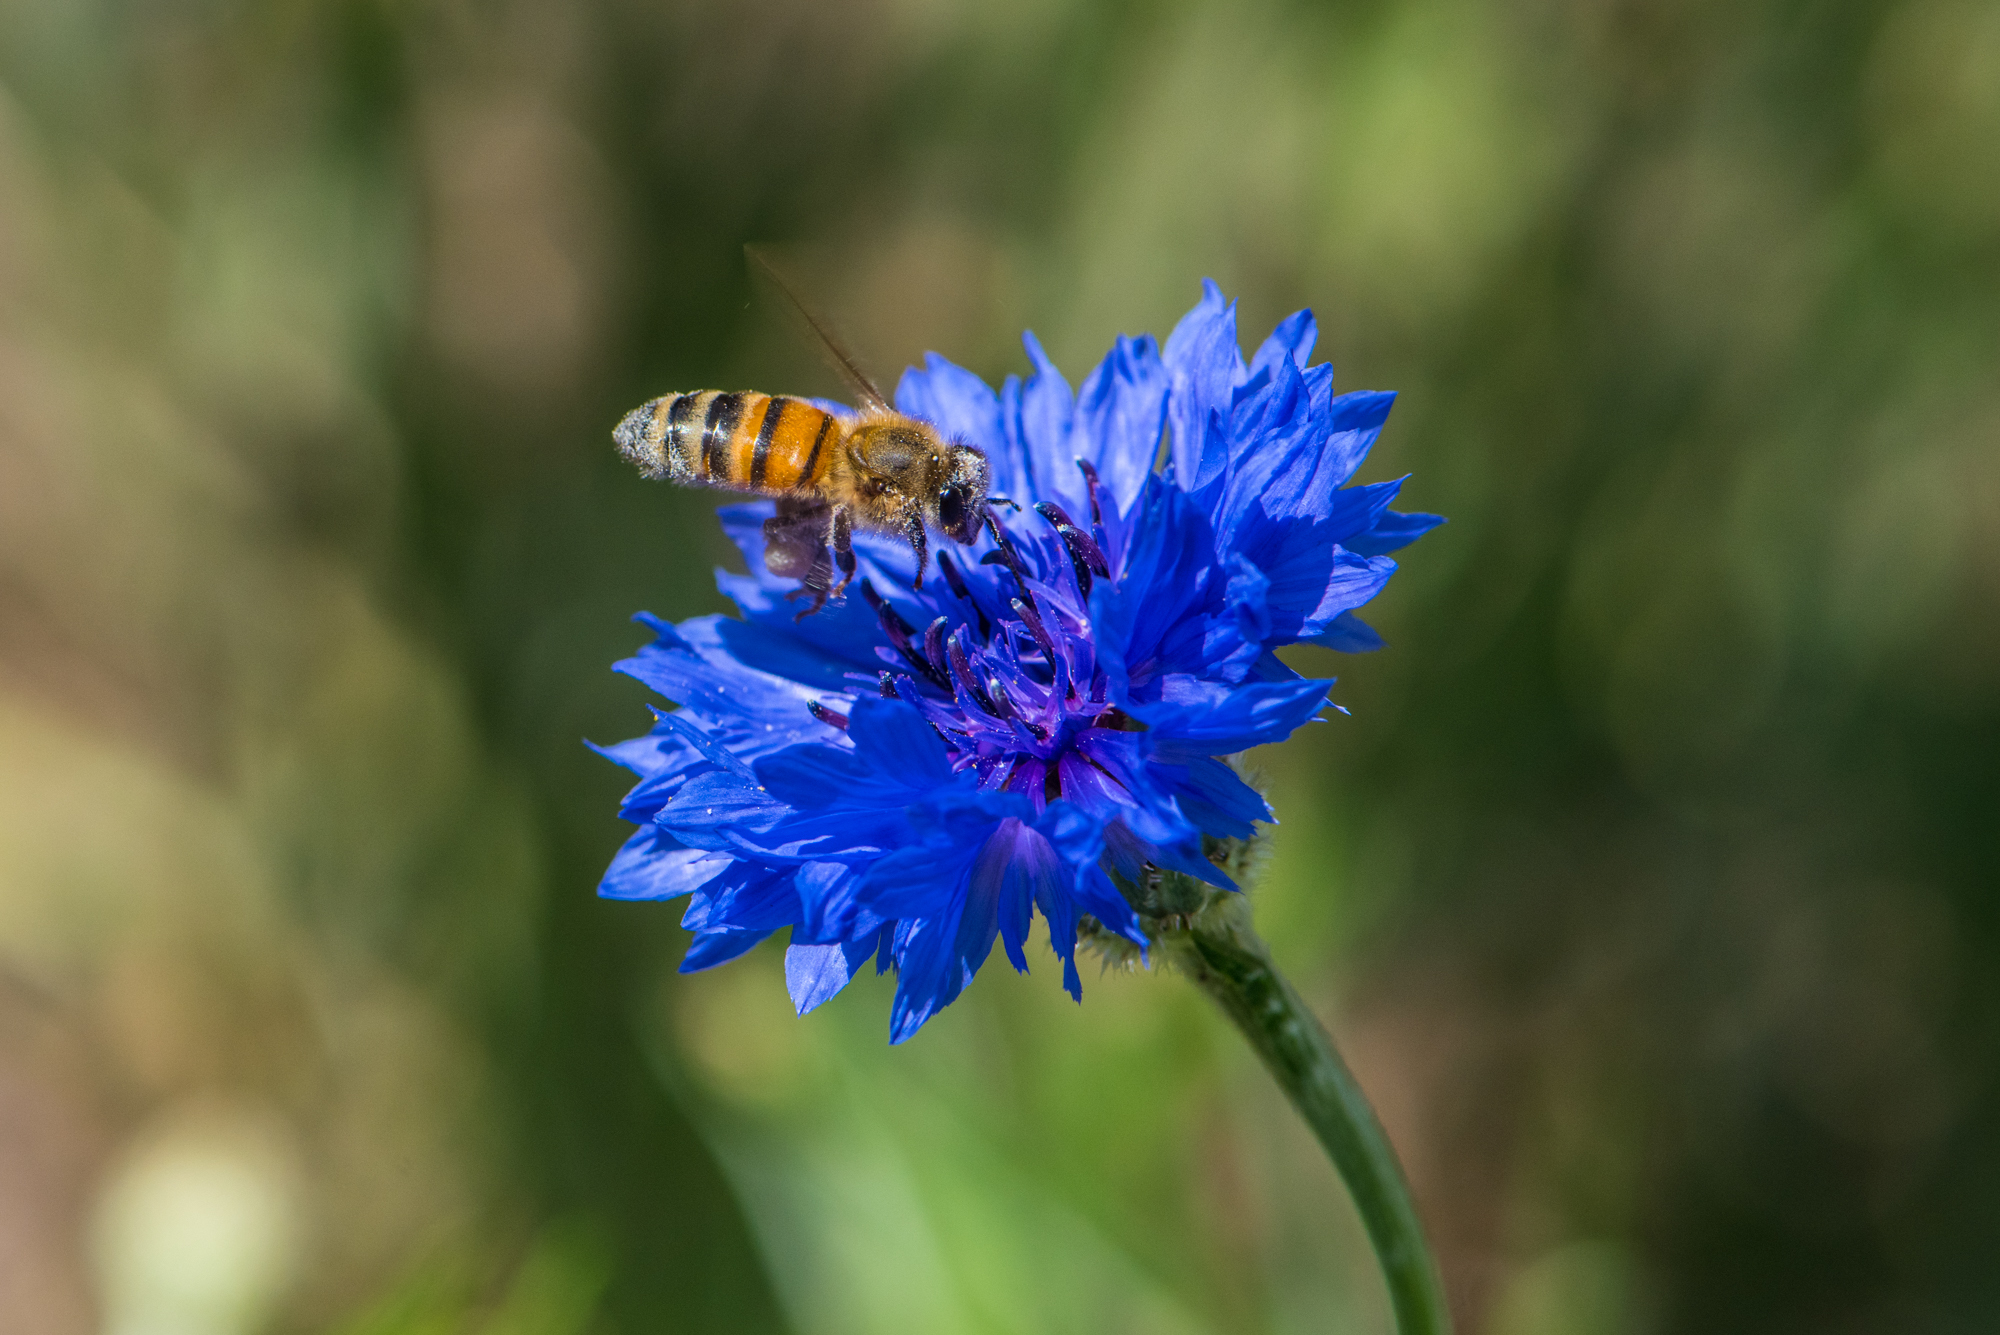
point(951, 509)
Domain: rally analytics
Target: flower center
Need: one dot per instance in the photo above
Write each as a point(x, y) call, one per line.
point(1014, 685)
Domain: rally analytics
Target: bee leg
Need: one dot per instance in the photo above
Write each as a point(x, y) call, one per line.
point(818, 578)
point(843, 549)
point(795, 548)
point(795, 540)
point(919, 544)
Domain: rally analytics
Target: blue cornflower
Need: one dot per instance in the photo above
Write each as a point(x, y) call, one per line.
point(909, 775)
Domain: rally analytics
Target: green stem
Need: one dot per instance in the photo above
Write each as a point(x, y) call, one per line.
point(1220, 950)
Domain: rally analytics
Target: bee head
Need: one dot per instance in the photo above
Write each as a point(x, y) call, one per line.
point(961, 502)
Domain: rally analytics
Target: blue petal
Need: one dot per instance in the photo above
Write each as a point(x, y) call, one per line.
point(1204, 364)
point(1019, 868)
point(669, 760)
point(1349, 634)
point(1065, 891)
point(814, 975)
point(1036, 417)
point(717, 689)
point(1274, 453)
point(646, 755)
point(1121, 413)
point(747, 896)
point(828, 893)
point(920, 879)
point(719, 800)
point(1249, 592)
point(938, 955)
point(1208, 719)
point(1129, 855)
point(1167, 612)
point(1286, 457)
point(1353, 423)
point(1269, 527)
point(1215, 798)
point(1292, 339)
point(728, 813)
point(653, 865)
point(781, 654)
point(1391, 532)
point(1116, 784)
point(1310, 586)
point(956, 897)
point(712, 751)
point(896, 739)
point(1096, 895)
point(812, 777)
point(712, 948)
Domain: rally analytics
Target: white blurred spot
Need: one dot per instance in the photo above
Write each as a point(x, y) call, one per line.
point(196, 1231)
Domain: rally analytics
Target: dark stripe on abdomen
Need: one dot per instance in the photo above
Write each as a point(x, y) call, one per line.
point(760, 457)
point(675, 448)
point(806, 475)
point(724, 411)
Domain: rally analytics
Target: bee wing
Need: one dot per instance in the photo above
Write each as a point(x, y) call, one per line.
point(870, 397)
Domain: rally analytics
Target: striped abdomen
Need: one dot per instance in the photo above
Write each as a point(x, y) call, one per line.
point(742, 441)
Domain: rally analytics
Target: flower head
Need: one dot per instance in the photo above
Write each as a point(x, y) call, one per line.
point(910, 775)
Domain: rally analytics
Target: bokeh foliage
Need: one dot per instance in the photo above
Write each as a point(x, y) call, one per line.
point(1650, 883)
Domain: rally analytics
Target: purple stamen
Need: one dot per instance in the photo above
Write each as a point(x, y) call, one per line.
point(1096, 510)
point(827, 716)
point(899, 632)
point(934, 651)
point(952, 577)
point(1007, 555)
point(1084, 553)
point(1058, 665)
point(1090, 479)
point(1032, 618)
point(893, 625)
point(961, 670)
point(960, 588)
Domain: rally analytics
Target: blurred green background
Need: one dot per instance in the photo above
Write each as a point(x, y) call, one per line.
point(1650, 885)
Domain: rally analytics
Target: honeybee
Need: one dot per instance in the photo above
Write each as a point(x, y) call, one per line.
point(879, 470)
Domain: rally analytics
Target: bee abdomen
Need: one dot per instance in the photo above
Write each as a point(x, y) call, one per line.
point(655, 436)
point(741, 441)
